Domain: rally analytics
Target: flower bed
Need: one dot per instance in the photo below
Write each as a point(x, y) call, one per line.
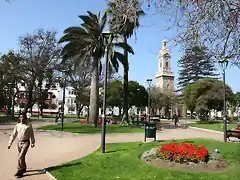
point(183, 153)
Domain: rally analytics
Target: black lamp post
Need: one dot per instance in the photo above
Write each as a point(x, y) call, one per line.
point(63, 82)
point(149, 81)
point(223, 64)
point(103, 138)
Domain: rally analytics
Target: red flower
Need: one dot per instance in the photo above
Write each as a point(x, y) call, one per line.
point(183, 152)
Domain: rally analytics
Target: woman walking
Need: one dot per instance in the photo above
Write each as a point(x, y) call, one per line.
point(24, 133)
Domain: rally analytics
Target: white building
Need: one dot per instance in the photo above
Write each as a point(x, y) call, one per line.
point(55, 96)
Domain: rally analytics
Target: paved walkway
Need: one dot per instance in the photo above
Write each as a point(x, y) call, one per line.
point(54, 148)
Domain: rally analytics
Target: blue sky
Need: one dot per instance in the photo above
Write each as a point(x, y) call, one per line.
point(25, 16)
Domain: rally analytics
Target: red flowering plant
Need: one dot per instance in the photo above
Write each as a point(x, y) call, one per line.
point(183, 152)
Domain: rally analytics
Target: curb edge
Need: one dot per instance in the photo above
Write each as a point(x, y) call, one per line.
point(50, 175)
point(208, 130)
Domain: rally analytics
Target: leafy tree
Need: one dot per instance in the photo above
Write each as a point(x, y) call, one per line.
point(205, 95)
point(115, 94)
point(162, 99)
point(194, 65)
point(80, 79)
point(124, 21)
point(138, 95)
point(40, 53)
point(10, 70)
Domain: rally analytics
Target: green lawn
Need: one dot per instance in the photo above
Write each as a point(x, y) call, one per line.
point(122, 162)
point(89, 129)
point(215, 126)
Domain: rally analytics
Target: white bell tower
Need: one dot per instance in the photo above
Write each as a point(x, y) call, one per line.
point(164, 76)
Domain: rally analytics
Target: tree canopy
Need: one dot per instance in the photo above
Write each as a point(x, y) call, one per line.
point(195, 64)
point(205, 95)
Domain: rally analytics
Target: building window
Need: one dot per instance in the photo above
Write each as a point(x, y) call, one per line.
point(166, 64)
point(68, 102)
point(160, 64)
point(22, 84)
point(69, 92)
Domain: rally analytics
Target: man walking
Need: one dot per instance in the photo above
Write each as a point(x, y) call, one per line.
point(24, 131)
point(175, 118)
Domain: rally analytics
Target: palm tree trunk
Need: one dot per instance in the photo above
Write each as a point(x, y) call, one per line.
point(93, 117)
point(125, 85)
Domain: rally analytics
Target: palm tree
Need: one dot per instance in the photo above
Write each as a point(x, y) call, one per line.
point(88, 42)
point(124, 24)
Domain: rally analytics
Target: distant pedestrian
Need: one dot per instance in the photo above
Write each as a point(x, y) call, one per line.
point(28, 115)
point(175, 118)
point(24, 133)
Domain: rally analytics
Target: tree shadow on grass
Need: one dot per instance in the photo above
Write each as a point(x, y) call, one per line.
point(63, 165)
point(117, 150)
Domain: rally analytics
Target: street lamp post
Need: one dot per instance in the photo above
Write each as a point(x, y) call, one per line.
point(149, 81)
point(63, 101)
point(63, 82)
point(138, 90)
point(223, 64)
point(103, 138)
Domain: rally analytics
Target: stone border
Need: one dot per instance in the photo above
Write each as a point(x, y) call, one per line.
point(50, 175)
point(208, 130)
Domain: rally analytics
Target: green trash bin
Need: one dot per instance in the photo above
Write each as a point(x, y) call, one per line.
point(150, 131)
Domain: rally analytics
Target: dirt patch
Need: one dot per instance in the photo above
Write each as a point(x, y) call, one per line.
point(211, 166)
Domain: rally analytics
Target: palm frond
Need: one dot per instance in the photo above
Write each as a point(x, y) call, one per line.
point(124, 46)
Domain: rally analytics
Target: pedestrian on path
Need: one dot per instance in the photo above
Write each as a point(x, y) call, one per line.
point(175, 118)
point(24, 133)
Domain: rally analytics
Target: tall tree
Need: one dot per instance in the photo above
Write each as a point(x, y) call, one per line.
point(88, 43)
point(40, 52)
point(162, 99)
point(115, 94)
point(195, 64)
point(80, 79)
point(124, 20)
point(10, 70)
point(138, 95)
point(205, 95)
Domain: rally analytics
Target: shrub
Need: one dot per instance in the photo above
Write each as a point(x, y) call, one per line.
point(183, 153)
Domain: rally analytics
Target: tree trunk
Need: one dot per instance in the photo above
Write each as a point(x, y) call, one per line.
point(79, 109)
point(88, 113)
point(93, 117)
point(125, 85)
point(29, 100)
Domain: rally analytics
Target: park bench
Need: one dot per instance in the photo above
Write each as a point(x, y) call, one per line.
point(233, 133)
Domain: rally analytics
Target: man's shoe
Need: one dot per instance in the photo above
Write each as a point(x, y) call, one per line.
point(24, 170)
point(19, 173)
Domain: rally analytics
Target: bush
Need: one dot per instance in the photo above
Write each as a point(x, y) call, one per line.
point(183, 153)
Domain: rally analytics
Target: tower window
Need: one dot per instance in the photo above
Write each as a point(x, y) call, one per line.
point(166, 64)
point(160, 64)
